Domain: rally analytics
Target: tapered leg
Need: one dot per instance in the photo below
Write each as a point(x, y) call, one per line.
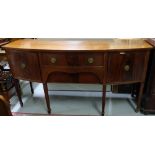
point(31, 86)
point(17, 87)
point(140, 97)
point(20, 88)
point(103, 98)
point(133, 90)
point(47, 97)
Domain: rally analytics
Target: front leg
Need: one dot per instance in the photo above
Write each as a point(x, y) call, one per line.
point(140, 97)
point(47, 97)
point(103, 98)
point(18, 91)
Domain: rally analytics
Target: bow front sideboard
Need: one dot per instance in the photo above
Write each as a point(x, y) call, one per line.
point(90, 61)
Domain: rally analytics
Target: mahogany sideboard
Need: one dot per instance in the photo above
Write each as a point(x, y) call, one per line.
point(101, 61)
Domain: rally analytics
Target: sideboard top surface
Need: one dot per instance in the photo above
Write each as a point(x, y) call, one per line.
point(151, 41)
point(78, 44)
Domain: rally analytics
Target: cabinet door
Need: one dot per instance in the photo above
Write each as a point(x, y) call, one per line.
point(126, 66)
point(24, 65)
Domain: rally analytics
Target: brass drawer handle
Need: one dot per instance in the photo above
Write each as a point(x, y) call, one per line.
point(5, 58)
point(90, 60)
point(126, 67)
point(122, 53)
point(53, 60)
point(23, 65)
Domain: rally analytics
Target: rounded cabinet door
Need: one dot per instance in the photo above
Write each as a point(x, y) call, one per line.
point(125, 66)
point(24, 65)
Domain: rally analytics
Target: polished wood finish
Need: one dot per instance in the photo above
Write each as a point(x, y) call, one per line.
point(15, 86)
point(71, 59)
point(126, 66)
point(47, 97)
point(18, 90)
point(75, 74)
point(103, 99)
point(24, 66)
point(80, 61)
point(84, 45)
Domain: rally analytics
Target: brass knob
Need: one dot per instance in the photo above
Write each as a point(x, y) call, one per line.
point(126, 67)
point(53, 60)
point(122, 53)
point(23, 65)
point(5, 58)
point(90, 60)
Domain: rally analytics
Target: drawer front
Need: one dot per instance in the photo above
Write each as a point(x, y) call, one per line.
point(126, 66)
point(72, 59)
point(24, 65)
point(91, 59)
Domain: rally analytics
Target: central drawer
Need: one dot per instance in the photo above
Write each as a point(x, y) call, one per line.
point(71, 59)
point(76, 67)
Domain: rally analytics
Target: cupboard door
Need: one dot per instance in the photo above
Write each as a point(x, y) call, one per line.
point(24, 65)
point(126, 67)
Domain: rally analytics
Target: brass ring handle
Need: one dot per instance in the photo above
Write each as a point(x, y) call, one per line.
point(90, 60)
point(23, 65)
point(53, 60)
point(126, 67)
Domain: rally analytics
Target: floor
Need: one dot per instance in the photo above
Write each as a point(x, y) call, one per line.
point(73, 99)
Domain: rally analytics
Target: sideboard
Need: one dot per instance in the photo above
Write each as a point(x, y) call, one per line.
point(101, 61)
